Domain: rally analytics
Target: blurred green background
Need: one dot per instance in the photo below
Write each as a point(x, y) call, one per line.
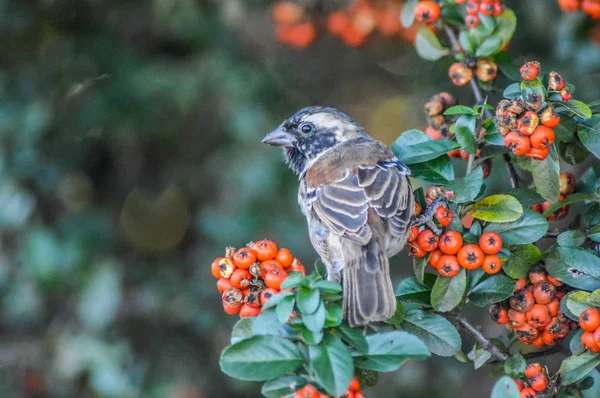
point(130, 157)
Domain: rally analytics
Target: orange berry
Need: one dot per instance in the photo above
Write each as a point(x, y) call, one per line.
point(232, 309)
point(556, 82)
point(553, 306)
point(413, 234)
point(337, 22)
point(530, 70)
point(591, 8)
point(307, 392)
point(248, 310)
point(450, 242)
point(522, 300)
point(287, 13)
point(433, 133)
point(244, 258)
point(517, 143)
point(537, 275)
point(472, 21)
point(538, 316)
point(215, 268)
point(269, 265)
point(284, 257)
point(448, 266)
point(539, 382)
point(528, 123)
point(354, 384)
point(427, 12)
point(297, 267)
point(533, 369)
point(567, 183)
point(589, 320)
point(416, 251)
point(588, 340)
point(427, 240)
point(275, 278)
point(544, 292)
point(265, 250)
point(460, 74)
point(444, 216)
point(418, 211)
point(434, 258)
point(266, 295)
point(516, 318)
point(569, 5)
point(223, 284)
point(226, 267)
point(490, 243)
point(537, 153)
point(486, 70)
point(470, 257)
point(542, 137)
point(241, 278)
point(492, 264)
point(528, 393)
point(550, 118)
point(520, 284)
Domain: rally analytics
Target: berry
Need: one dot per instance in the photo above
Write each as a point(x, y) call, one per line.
point(533, 369)
point(433, 133)
point(226, 267)
point(588, 340)
point(528, 393)
point(450, 242)
point(553, 306)
point(244, 258)
point(427, 240)
point(284, 257)
point(556, 81)
point(223, 284)
point(490, 243)
point(589, 320)
point(528, 122)
point(542, 137)
point(472, 21)
point(530, 70)
point(539, 382)
point(275, 278)
point(416, 251)
point(522, 300)
point(544, 293)
point(448, 266)
point(567, 183)
point(516, 318)
point(265, 249)
point(215, 268)
point(434, 258)
point(470, 257)
point(287, 13)
point(538, 153)
point(591, 8)
point(266, 294)
point(520, 284)
point(538, 316)
point(241, 278)
point(517, 143)
point(550, 118)
point(268, 266)
point(413, 233)
point(486, 70)
point(537, 275)
point(418, 210)
point(487, 8)
point(337, 22)
point(248, 310)
point(444, 216)
point(565, 94)
point(354, 384)
point(427, 12)
point(569, 5)
point(460, 74)
point(473, 7)
point(492, 264)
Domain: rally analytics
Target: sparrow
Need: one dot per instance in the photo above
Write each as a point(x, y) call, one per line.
point(358, 203)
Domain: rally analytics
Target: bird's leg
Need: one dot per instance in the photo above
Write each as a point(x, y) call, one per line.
point(427, 217)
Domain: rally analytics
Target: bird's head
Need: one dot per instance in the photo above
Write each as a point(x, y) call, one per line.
point(312, 131)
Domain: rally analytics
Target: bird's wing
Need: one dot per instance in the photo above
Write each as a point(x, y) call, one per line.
point(347, 182)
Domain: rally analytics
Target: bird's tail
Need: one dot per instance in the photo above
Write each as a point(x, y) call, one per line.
point(368, 290)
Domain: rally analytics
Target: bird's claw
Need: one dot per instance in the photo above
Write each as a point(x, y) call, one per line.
point(427, 217)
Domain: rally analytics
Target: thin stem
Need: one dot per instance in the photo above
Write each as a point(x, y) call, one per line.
point(460, 321)
point(512, 173)
point(456, 47)
point(552, 234)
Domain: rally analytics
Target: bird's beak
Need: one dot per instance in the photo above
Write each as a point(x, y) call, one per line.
point(279, 137)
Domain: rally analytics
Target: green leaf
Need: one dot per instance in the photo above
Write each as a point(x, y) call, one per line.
point(594, 233)
point(308, 300)
point(354, 337)
point(512, 91)
point(589, 134)
point(577, 367)
point(332, 365)
point(479, 356)
point(467, 42)
point(320, 268)
point(546, 176)
point(565, 130)
point(333, 314)
point(506, 24)
point(437, 171)
point(497, 208)
point(285, 308)
point(428, 45)
point(447, 293)
point(489, 46)
point(315, 321)
point(413, 146)
point(522, 258)
point(389, 350)
point(398, 316)
point(412, 291)
point(275, 300)
point(529, 228)
point(466, 189)
point(575, 344)
point(576, 267)
point(492, 290)
point(579, 108)
point(408, 13)
point(594, 298)
point(464, 130)
point(294, 279)
point(527, 197)
point(460, 110)
point(573, 238)
point(242, 329)
point(529, 87)
point(577, 302)
point(439, 335)
point(311, 338)
point(419, 265)
point(515, 366)
point(260, 358)
point(282, 386)
point(328, 287)
point(505, 387)
point(268, 324)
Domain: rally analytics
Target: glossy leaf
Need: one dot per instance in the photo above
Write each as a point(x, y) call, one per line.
point(529, 228)
point(447, 293)
point(577, 367)
point(282, 386)
point(428, 46)
point(440, 336)
point(353, 336)
point(497, 208)
point(419, 265)
point(505, 387)
point(315, 321)
point(546, 176)
point(515, 366)
point(579, 108)
point(573, 238)
point(408, 13)
point(437, 171)
point(242, 329)
point(492, 290)
point(284, 309)
point(574, 198)
point(466, 188)
point(308, 300)
point(522, 258)
point(589, 134)
point(389, 350)
point(576, 267)
point(464, 131)
point(332, 365)
point(412, 291)
point(512, 91)
point(413, 146)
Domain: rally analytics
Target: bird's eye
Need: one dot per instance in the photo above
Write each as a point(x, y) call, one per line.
point(307, 128)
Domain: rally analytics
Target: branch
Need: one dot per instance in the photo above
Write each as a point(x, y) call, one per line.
point(460, 321)
point(512, 173)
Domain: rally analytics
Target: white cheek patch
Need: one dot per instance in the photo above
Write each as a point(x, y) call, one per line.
point(328, 121)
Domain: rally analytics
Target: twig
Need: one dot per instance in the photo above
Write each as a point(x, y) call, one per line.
point(552, 234)
point(460, 321)
point(456, 47)
point(512, 173)
point(539, 354)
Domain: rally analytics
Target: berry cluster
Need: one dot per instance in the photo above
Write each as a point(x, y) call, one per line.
point(461, 73)
point(537, 381)
point(475, 8)
point(590, 7)
point(438, 124)
point(309, 391)
point(449, 252)
point(567, 187)
point(526, 126)
point(297, 27)
point(533, 312)
point(589, 321)
point(250, 276)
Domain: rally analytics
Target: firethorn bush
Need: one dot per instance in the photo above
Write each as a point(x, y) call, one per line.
point(480, 248)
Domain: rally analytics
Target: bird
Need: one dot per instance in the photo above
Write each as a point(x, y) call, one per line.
point(358, 202)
